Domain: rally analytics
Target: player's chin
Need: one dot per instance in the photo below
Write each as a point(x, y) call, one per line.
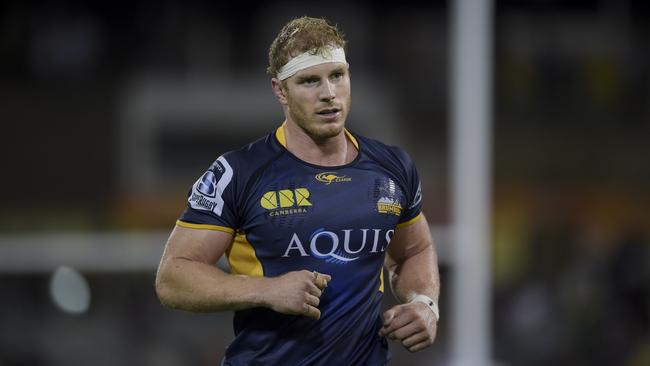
point(327, 129)
point(331, 130)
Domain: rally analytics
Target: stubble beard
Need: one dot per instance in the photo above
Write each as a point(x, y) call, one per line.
point(313, 127)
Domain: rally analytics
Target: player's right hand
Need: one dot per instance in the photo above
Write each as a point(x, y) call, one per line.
point(297, 293)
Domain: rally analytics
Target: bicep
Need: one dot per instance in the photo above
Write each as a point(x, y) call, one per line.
point(199, 245)
point(409, 241)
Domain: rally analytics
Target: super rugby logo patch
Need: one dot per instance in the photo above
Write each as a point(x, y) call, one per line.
point(207, 184)
point(208, 190)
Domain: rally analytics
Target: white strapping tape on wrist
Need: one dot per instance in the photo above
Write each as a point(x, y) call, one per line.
point(430, 303)
point(309, 59)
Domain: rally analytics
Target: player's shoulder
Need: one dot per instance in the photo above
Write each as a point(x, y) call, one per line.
point(240, 165)
point(228, 176)
point(254, 155)
point(383, 153)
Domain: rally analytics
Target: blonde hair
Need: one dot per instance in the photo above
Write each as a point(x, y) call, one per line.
point(301, 35)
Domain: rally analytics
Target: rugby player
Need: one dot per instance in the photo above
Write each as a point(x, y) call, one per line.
point(308, 216)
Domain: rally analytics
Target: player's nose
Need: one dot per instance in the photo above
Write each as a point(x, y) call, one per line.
point(327, 90)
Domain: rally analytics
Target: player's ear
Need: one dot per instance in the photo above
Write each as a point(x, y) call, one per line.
point(279, 90)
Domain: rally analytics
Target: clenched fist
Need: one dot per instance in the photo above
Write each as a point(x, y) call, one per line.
point(412, 324)
point(297, 293)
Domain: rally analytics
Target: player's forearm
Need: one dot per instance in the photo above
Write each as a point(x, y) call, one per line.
point(199, 287)
point(417, 274)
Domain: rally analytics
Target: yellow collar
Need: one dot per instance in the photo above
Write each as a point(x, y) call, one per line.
point(279, 134)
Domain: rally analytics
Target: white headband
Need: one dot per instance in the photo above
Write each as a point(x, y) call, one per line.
point(309, 59)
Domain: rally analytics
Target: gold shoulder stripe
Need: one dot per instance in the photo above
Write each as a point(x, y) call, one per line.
point(189, 225)
point(409, 222)
point(381, 279)
point(242, 258)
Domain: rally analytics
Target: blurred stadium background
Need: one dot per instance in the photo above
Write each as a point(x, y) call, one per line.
point(110, 111)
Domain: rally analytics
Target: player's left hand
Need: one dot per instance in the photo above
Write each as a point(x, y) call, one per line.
point(412, 324)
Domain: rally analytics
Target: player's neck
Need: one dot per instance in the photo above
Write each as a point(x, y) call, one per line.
point(334, 151)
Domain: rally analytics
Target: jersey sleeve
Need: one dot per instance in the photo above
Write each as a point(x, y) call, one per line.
point(413, 193)
point(211, 200)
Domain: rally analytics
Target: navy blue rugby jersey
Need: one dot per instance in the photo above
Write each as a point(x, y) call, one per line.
point(289, 215)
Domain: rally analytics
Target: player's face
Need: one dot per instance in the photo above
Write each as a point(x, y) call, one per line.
point(318, 99)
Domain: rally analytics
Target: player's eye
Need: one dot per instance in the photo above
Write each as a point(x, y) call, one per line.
point(309, 81)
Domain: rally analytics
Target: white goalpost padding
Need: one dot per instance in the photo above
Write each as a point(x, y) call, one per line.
point(471, 66)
